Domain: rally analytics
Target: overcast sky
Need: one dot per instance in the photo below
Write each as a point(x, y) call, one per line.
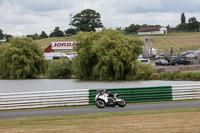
point(22, 17)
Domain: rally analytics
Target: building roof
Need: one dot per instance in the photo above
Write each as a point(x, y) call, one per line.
point(149, 29)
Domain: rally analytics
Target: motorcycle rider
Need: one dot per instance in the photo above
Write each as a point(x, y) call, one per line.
point(104, 98)
point(106, 92)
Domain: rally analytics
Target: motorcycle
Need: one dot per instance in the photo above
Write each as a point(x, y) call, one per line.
point(104, 98)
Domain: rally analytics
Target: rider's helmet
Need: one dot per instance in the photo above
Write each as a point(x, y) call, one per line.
point(99, 90)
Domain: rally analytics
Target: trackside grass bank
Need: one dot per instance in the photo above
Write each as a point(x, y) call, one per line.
point(173, 120)
point(187, 41)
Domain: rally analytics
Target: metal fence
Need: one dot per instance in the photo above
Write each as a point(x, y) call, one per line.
point(186, 92)
point(86, 96)
point(139, 94)
point(43, 99)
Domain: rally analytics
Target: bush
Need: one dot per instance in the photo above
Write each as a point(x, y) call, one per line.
point(106, 55)
point(59, 69)
point(180, 76)
point(195, 76)
point(155, 76)
point(22, 58)
point(145, 72)
point(164, 75)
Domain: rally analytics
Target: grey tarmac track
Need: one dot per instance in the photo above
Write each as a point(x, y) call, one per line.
point(87, 110)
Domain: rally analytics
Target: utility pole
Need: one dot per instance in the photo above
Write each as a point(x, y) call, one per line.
point(70, 20)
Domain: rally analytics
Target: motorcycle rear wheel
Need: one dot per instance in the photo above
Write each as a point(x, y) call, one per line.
point(100, 103)
point(121, 103)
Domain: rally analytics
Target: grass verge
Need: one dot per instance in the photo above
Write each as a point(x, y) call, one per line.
point(177, 42)
point(44, 43)
point(156, 121)
point(84, 106)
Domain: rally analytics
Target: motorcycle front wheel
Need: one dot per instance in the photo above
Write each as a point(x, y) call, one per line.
point(100, 103)
point(121, 103)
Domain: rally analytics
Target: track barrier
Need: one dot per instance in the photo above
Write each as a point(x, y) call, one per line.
point(57, 98)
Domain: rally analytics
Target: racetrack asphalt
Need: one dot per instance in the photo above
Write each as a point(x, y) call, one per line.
point(87, 110)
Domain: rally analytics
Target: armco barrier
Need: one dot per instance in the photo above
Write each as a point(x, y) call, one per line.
point(140, 94)
point(184, 92)
point(86, 96)
point(43, 99)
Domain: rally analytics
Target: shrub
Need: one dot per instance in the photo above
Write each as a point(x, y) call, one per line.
point(20, 59)
point(106, 55)
point(59, 69)
point(195, 76)
point(145, 72)
point(164, 75)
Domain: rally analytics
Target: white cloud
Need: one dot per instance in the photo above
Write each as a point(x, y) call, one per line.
point(20, 17)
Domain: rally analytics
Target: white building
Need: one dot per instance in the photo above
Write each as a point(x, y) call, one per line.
point(152, 30)
point(55, 55)
point(3, 40)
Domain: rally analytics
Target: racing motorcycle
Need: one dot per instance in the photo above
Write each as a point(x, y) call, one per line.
point(104, 98)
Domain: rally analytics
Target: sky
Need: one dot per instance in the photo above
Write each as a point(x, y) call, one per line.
point(22, 17)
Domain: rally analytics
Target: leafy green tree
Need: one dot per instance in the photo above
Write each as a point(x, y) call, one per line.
point(20, 59)
point(182, 18)
point(182, 27)
point(8, 37)
point(71, 31)
point(59, 69)
point(145, 72)
point(106, 55)
point(193, 24)
point(1, 34)
point(34, 36)
point(43, 35)
point(57, 33)
point(87, 20)
point(132, 28)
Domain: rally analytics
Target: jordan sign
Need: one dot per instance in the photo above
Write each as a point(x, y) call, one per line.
point(62, 45)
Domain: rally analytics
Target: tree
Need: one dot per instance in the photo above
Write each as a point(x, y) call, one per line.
point(193, 24)
point(43, 35)
point(1, 34)
point(8, 37)
point(56, 33)
point(105, 55)
point(59, 69)
point(182, 27)
point(71, 31)
point(87, 20)
point(20, 59)
point(34, 36)
point(132, 28)
point(182, 18)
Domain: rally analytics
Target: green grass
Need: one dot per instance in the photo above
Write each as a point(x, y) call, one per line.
point(168, 34)
point(179, 41)
point(44, 43)
point(95, 122)
point(164, 42)
point(84, 106)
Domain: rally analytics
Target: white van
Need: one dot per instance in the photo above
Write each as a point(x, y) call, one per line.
point(141, 59)
point(146, 61)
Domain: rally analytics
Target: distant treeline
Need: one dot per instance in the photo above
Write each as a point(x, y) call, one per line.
point(191, 26)
point(90, 20)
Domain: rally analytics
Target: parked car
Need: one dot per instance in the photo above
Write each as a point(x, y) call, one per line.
point(177, 61)
point(162, 63)
point(163, 56)
point(146, 61)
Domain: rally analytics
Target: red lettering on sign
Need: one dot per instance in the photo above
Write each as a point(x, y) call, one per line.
point(63, 44)
point(57, 44)
point(68, 44)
